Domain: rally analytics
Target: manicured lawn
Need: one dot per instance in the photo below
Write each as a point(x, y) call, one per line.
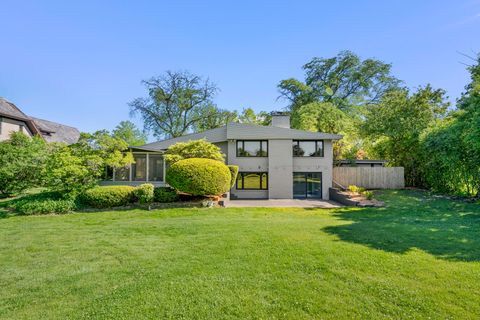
point(417, 258)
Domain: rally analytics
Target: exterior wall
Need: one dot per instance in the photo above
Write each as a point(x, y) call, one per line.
point(7, 126)
point(280, 164)
point(317, 164)
point(247, 164)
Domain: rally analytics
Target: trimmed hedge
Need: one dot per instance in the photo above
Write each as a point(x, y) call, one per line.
point(199, 177)
point(233, 174)
point(43, 203)
point(165, 194)
point(144, 193)
point(108, 196)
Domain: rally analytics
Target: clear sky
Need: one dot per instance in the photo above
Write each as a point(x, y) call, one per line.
point(81, 62)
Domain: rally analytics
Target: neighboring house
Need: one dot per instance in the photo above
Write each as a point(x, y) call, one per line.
point(275, 162)
point(361, 163)
point(13, 119)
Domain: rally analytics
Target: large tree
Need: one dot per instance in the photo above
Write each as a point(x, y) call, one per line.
point(345, 80)
point(128, 131)
point(218, 117)
point(176, 102)
point(394, 126)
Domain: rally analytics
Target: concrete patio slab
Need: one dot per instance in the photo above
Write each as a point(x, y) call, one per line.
point(283, 203)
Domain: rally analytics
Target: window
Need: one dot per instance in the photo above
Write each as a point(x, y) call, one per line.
point(305, 148)
point(155, 167)
point(139, 168)
point(251, 148)
point(252, 181)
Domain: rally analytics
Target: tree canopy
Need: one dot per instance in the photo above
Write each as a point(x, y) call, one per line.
point(176, 102)
point(128, 132)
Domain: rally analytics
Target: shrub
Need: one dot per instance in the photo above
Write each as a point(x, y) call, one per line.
point(368, 194)
point(43, 203)
point(355, 189)
point(233, 174)
point(108, 196)
point(199, 177)
point(193, 149)
point(144, 193)
point(165, 194)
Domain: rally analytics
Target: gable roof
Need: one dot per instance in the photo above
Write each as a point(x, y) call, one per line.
point(235, 131)
point(50, 131)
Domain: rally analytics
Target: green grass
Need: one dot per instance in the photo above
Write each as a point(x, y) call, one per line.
point(417, 258)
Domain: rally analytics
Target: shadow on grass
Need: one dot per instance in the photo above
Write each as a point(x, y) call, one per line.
point(413, 219)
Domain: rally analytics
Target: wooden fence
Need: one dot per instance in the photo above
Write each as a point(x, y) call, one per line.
point(370, 177)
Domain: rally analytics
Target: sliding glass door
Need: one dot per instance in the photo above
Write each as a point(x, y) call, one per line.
point(307, 185)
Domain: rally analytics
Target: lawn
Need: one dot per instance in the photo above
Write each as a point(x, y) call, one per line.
point(417, 258)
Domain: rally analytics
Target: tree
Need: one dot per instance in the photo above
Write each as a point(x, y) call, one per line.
point(344, 80)
point(193, 149)
point(218, 118)
point(176, 102)
point(73, 169)
point(248, 115)
point(128, 131)
point(22, 160)
point(396, 123)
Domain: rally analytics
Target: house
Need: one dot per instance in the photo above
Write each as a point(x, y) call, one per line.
point(13, 119)
point(275, 162)
point(361, 163)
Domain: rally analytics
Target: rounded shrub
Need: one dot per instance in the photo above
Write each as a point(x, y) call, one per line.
point(108, 196)
point(144, 193)
point(199, 177)
point(233, 174)
point(165, 195)
point(43, 203)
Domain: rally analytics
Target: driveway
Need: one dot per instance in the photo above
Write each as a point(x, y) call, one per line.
point(283, 203)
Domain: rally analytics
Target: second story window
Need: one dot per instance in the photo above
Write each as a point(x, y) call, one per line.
point(252, 148)
point(308, 148)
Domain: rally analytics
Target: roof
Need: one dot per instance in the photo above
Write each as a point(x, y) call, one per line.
point(50, 131)
point(56, 132)
point(236, 131)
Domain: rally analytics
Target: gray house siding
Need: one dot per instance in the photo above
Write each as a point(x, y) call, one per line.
point(280, 163)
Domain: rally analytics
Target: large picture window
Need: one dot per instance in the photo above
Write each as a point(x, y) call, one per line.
point(308, 148)
point(252, 181)
point(155, 167)
point(252, 148)
point(139, 168)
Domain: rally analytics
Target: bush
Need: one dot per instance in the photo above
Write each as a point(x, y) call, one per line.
point(44, 203)
point(368, 194)
point(233, 174)
point(355, 189)
point(165, 194)
point(199, 177)
point(193, 149)
point(144, 193)
point(108, 196)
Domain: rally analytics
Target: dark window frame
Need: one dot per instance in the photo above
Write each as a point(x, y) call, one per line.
point(297, 142)
point(243, 148)
point(260, 173)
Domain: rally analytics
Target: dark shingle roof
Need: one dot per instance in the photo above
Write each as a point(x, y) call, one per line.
point(50, 131)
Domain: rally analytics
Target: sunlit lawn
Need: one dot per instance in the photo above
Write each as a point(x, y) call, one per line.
point(417, 258)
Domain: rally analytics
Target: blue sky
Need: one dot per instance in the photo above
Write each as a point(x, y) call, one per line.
point(81, 62)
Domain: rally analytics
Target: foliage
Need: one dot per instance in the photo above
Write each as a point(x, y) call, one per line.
point(176, 102)
point(128, 132)
point(76, 168)
point(193, 149)
point(108, 196)
point(199, 177)
point(219, 117)
point(394, 126)
point(451, 150)
point(22, 160)
point(144, 193)
point(43, 203)
point(344, 80)
point(248, 115)
point(165, 195)
point(233, 174)
point(355, 189)
point(368, 194)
